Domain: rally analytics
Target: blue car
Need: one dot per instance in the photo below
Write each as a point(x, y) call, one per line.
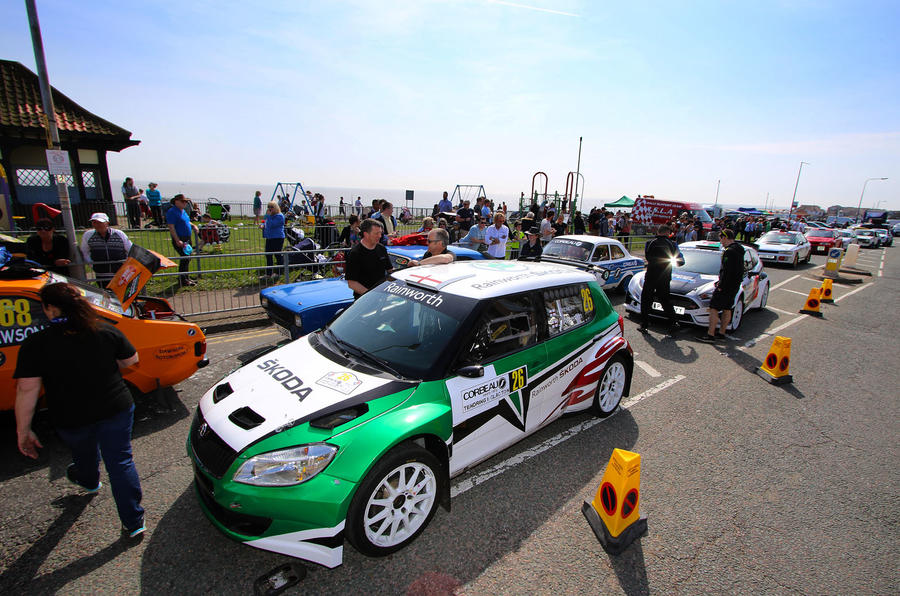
point(299, 308)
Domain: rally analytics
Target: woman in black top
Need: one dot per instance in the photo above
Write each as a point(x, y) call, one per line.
point(78, 358)
point(49, 249)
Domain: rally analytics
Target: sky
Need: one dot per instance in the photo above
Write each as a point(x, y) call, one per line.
point(672, 99)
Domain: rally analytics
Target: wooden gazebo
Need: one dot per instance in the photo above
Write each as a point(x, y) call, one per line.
point(23, 139)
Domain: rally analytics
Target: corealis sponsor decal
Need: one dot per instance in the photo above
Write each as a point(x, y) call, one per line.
point(472, 398)
point(171, 352)
point(286, 378)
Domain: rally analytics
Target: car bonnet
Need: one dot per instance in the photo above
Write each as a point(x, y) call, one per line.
point(301, 296)
point(283, 388)
point(684, 282)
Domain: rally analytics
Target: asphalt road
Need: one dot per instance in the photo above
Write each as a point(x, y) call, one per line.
point(749, 487)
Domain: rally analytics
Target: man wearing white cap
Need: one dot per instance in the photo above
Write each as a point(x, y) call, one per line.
point(104, 248)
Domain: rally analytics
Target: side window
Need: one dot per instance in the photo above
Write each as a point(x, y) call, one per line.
point(748, 261)
point(601, 253)
point(568, 307)
point(19, 318)
point(507, 326)
point(616, 252)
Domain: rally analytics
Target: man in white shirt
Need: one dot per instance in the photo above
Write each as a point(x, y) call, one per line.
point(547, 228)
point(496, 237)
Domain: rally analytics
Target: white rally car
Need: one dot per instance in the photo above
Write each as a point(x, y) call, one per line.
point(693, 283)
point(354, 431)
point(786, 248)
point(606, 258)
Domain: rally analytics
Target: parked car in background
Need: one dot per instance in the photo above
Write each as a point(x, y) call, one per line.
point(846, 238)
point(693, 283)
point(355, 431)
point(606, 258)
point(839, 221)
point(895, 230)
point(817, 224)
point(885, 238)
point(867, 238)
point(786, 248)
point(298, 308)
point(822, 238)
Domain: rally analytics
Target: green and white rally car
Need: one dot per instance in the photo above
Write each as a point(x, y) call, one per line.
point(354, 431)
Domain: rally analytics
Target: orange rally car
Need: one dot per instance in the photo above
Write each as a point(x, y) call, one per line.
point(170, 350)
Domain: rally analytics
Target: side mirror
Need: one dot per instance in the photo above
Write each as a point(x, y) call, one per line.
point(473, 371)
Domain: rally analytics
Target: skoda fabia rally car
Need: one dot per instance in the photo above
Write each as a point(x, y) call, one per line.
point(693, 283)
point(354, 431)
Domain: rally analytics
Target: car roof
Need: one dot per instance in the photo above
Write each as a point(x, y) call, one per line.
point(491, 278)
point(591, 239)
point(701, 245)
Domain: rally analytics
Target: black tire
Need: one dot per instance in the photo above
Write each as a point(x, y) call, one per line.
point(623, 285)
point(809, 256)
point(611, 387)
point(426, 470)
point(796, 261)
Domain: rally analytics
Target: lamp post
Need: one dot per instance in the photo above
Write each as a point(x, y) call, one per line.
point(796, 184)
point(858, 207)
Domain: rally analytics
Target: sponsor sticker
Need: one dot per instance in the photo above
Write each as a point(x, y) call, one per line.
point(470, 398)
point(344, 382)
point(171, 352)
point(291, 382)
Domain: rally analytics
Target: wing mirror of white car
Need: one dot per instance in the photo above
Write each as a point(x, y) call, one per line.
point(472, 371)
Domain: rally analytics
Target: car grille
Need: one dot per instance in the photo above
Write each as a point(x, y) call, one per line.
point(280, 315)
point(241, 523)
point(683, 302)
point(210, 451)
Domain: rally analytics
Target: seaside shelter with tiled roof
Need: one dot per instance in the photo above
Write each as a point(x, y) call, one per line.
point(23, 139)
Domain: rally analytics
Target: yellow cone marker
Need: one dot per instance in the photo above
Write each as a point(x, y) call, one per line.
point(775, 367)
point(827, 291)
point(614, 513)
point(813, 304)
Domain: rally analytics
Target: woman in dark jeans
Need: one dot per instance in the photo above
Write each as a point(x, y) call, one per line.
point(77, 358)
point(273, 232)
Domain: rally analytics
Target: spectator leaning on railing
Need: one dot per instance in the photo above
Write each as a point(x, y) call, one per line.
point(105, 248)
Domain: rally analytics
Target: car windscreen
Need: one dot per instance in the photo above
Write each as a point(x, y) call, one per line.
point(778, 238)
point(404, 327)
point(570, 250)
point(820, 234)
point(865, 233)
point(707, 262)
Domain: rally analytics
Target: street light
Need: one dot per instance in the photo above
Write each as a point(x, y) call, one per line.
point(796, 184)
point(858, 207)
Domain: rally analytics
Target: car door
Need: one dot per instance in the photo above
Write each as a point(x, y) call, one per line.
point(601, 258)
point(750, 282)
point(20, 316)
point(491, 411)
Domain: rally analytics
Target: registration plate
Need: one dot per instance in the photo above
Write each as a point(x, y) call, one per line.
point(679, 310)
point(284, 331)
point(766, 257)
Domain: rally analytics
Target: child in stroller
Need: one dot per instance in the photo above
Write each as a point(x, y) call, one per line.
point(303, 251)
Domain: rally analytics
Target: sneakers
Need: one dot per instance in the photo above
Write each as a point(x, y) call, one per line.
point(644, 329)
point(707, 338)
point(720, 336)
point(70, 476)
point(135, 532)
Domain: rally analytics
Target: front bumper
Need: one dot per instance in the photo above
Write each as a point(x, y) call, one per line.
point(304, 521)
point(686, 309)
point(776, 258)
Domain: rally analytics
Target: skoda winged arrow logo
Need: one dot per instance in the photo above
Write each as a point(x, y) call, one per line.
point(203, 430)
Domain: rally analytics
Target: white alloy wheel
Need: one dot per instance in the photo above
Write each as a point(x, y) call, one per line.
point(611, 387)
point(400, 504)
point(737, 314)
point(395, 501)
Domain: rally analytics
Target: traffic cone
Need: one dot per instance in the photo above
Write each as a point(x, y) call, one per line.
point(614, 514)
point(774, 368)
point(813, 304)
point(827, 296)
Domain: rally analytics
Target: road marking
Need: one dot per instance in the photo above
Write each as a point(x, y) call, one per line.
point(852, 292)
point(519, 458)
point(795, 292)
point(812, 279)
point(242, 337)
point(784, 312)
point(778, 285)
point(648, 369)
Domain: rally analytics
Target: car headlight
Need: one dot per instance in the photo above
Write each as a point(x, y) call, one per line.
point(298, 321)
point(264, 302)
point(286, 467)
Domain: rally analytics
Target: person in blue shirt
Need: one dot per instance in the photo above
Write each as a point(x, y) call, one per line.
point(475, 238)
point(445, 205)
point(257, 207)
point(155, 201)
point(273, 232)
point(180, 228)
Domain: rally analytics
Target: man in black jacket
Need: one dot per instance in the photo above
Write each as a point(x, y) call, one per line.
point(661, 254)
point(730, 276)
